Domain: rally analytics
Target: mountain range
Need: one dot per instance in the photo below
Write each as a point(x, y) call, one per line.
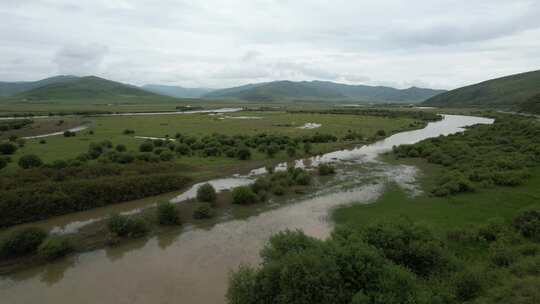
point(91, 88)
point(279, 90)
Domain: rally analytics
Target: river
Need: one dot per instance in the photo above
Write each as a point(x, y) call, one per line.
point(192, 265)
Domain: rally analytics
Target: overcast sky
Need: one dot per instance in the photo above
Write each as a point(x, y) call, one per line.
point(219, 43)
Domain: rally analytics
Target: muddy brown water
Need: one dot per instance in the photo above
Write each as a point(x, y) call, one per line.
point(192, 265)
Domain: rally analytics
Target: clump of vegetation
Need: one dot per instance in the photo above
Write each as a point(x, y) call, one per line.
point(206, 193)
point(22, 242)
point(55, 247)
point(203, 211)
point(69, 134)
point(167, 214)
point(128, 132)
point(243, 195)
point(127, 226)
point(326, 169)
point(30, 161)
point(528, 223)
point(486, 155)
point(7, 148)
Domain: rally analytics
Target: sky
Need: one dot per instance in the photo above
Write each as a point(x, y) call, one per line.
point(220, 43)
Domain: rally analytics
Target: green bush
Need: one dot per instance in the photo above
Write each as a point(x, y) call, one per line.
point(22, 242)
point(244, 153)
point(30, 161)
point(55, 247)
point(167, 214)
point(166, 156)
point(243, 195)
point(202, 211)
point(3, 163)
point(146, 146)
point(527, 222)
point(127, 226)
point(7, 148)
point(468, 285)
point(502, 256)
point(206, 193)
point(303, 179)
point(326, 169)
point(121, 148)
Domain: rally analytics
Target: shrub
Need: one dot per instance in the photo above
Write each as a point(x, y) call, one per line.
point(128, 226)
point(278, 190)
point(121, 148)
point(527, 222)
point(167, 214)
point(146, 146)
point(307, 148)
point(303, 178)
point(30, 161)
point(69, 134)
point(261, 184)
point(244, 153)
point(326, 169)
point(381, 133)
point(22, 242)
point(183, 149)
point(202, 211)
point(55, 247)
point(206, 193)
point(128, 131)
point(501, 256)
point(42, 141)
point(3, 163)
point(7, 148)
point(468, 285)
point(291, 151)
point(243, 195)
point(166, 156)
point(21, 142)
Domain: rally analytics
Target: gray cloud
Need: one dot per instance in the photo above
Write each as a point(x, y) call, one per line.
point(215, 43)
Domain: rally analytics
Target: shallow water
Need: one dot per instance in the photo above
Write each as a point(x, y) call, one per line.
point(192, 266)
point(74, 130)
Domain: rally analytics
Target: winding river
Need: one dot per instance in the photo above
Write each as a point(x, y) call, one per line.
point(192, 265)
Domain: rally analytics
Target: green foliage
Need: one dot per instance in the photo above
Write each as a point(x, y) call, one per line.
point(243, 195)
point(127, 226)
point(121, 148)
point(30, 161)
point(55, 247)
point(146, 146)
point(7, 148)
point(203, 211)
point(3, 163)
point(326, 169)
point(167, 214)
point(40, 201)
point(206, 193)
point(528, 223)
point(468, 284)
point(22, 242)
point(486, 155)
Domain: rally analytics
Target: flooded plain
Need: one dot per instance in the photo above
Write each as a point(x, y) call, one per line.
point(191, 265)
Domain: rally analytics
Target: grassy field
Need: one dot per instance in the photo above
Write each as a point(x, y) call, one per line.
point(443, 213)
point(111, 128)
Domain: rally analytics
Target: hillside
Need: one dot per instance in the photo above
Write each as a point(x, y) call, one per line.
point(88, 88)
point(324, 90)
point(176, 91)
point(513, 91)
point(13, 88)
point(532, 105)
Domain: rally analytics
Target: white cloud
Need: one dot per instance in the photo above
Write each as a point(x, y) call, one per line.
point(447, 43)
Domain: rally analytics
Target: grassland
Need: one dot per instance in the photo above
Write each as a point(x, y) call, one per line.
point(111, 128)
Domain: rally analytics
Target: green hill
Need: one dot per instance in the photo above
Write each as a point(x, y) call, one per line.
point(89, 89)
point(532, 105)
point(13, 88)
point(511, 92)
point(176, 91)
point(322, 90)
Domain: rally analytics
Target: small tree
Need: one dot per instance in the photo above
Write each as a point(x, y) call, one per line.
point(121, 148)
point(167, 214)
point(381, 133)
point(307, 147)
point(7, 148)
point(146, 146)
point(243, 195)
point(291, 151)
point(203, 211)
point(206, 193)
point(244, 153)
point(21, 242)
point(30, 161)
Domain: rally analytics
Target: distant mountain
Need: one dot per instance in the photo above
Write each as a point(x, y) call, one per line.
point(324, 90)
point(89, 89)
point(176, 91)
point(14, 88)
point(515, 91)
